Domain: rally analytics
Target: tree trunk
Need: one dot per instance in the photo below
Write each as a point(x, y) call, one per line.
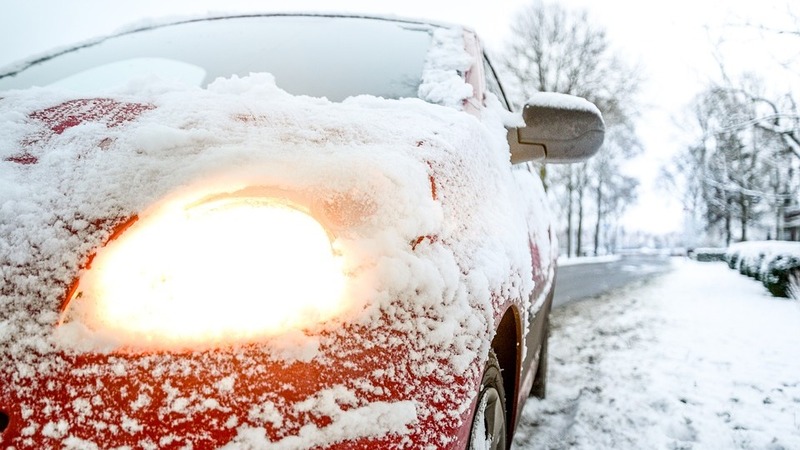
point(570, 193)
point(728, 232)
point(779, 219)
point(579, 237)
point(543, 176)
point(744, 216)
point(599, 217)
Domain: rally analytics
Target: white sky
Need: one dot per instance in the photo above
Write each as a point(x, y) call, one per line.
point(672, 40)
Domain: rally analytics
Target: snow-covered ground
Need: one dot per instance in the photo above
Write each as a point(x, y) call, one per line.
point(701, 358)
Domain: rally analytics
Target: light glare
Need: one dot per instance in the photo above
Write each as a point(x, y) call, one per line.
point(229, 270)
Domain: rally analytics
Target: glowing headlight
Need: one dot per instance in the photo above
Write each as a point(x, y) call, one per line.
point(228, 269)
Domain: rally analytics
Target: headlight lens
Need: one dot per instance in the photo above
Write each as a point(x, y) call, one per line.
point(227, 269)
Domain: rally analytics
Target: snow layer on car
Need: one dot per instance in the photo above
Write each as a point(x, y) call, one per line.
point(373, 420)
point(435, 237)
point(564, 101)
point(446, 62)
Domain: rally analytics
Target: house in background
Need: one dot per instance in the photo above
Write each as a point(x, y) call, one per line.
point(791, 223)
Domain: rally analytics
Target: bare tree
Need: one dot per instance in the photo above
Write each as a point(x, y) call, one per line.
point(613, 192)
point(741, 172)
point(555, 49)
point(737, 170)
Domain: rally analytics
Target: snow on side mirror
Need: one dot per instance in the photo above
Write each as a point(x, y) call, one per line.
point(559, 128)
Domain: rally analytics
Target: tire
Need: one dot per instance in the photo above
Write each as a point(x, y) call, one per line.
point(489, 421)
point(539, 388)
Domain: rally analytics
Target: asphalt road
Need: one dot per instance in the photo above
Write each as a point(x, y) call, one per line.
point(582, 281)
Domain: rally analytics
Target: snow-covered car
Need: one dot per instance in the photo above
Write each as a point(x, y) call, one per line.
point(275, 231)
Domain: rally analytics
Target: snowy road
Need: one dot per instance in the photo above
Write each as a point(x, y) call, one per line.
point(699, 358)
point(580, 281)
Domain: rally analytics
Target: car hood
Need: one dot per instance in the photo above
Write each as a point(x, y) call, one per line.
point(411, 193)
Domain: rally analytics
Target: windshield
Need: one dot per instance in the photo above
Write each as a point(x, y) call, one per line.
point(333, 57)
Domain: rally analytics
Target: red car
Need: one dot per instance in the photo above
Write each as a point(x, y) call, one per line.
point(275, 231)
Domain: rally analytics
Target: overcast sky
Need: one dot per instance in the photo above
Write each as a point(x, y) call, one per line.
point(674, 41)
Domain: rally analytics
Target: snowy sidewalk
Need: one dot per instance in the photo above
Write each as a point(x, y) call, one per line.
point(702, 358)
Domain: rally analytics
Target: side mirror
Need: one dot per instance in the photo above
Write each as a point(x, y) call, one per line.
point(559, 128)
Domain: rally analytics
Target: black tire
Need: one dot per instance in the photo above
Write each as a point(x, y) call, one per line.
point(490, 420)
point(539, 388)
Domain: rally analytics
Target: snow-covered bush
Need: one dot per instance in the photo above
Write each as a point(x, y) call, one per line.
point(750, 264)
point(794, 285)
point(709, 254)
point(775, 263)
point(781, 273)
point(732, 258)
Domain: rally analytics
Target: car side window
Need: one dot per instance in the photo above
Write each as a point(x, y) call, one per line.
point(493, 83)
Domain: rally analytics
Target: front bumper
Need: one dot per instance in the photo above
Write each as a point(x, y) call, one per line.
point(365, 388)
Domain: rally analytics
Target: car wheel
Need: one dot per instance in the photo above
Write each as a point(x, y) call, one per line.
point(539, 388)
point(489, 423)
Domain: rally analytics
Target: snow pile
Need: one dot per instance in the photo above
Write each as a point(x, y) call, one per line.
point(412, 194)
point(700, 358)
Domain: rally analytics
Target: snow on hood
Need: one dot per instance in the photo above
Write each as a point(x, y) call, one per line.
point(423, 188)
